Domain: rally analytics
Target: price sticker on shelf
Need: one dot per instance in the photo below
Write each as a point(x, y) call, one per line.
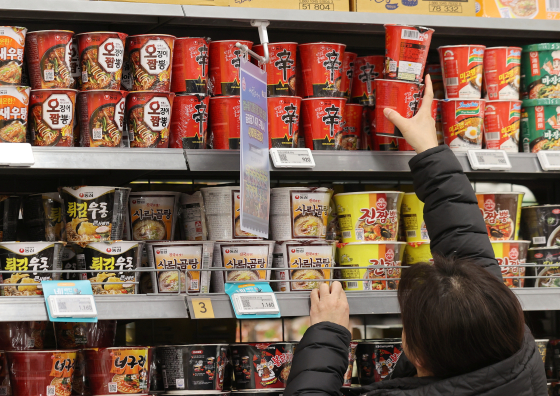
point(72, 306)
point(489, 160)
point(292, 158)
point(550, 160)
point(18, 154)
point(253, 300)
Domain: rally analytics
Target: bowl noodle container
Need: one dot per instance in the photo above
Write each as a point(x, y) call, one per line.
point(299, 212)
point(43, 217)
point(509, 255)
point(193, 217)
point(281, 68)
point(262, 365)
point(502, 214)
point(376, 256)
point(9, 215)
point(540, 122)
point(502, 71)
point(182, 256)
point(501, 125)
point(148, 118)
point(42, 372)
point(376, 360)
point(412, 214)
point(351, 134)
point(406, 51)
point(348, 66)
point(14, 106)
point(283, 122)
point(463, 123)
point(101, 118)
point(462, 70)
point(224, 123)
point(94, 214)
point(322, 121)
point(369, 216)
point(197, 368)
point(101, 60)
point(29, 256)
point(548, 265)
point(11, 54)
point(366, 70)
point(48, 54)
point(190, 66)
point(22, 336)
point(153, 215)
point(150, 57)
point(321, 67)
point(225, 59)
point(76, 335)
point(117, 261)
point(189, 122)
point(51, 113)
point(118, 370)
point(540, 64)
point(541, 224)
point(418, 252)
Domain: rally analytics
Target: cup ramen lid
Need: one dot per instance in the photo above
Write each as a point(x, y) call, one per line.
point(355, 104)
point(369, 192)
point(55, 90)
point(410, 26)
point(541, 102)
point(152, 35)
point(82, 34)
point(540, 47)
point(504, 46)
point(462, 46)
point(376, 243)
point(50, 31)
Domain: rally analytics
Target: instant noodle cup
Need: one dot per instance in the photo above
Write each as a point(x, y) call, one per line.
point(22, 336)
point(502, 70)
point(72, 259)
point(366, 70)
point(75, 68)
point(48, 54)
point(369, 216)
point(260, 366)
point(348, 66)
point(351, 359)
point(43, 217)
point(52, 113)
point(225, 59)
point(94, 214)
point(29, 256)
point(153, 215)
point(501, 125)
point(189, 122)
point(463, 123)
point(502, 214)
point(73, 335)
point(349, 137)
point(193, 217)
point(368, 119)
point(380, 258)
point(102, 116)
point(510, 254)
point(322, 120)
point(14, 106)
point(150, 57)
point(540, 70)
point(412, 213)
point(418, 252)
point(126, 78)
point(434, 70)
point(462, 67)
point(9, 215)
point(321, 66)
point(299, 212)
point(542, 225)
point(283, 122)
point(101, 60)
point(148, 116)
point(281, 68)
point(540, 125)
point(547, 260)
point(190, 66)
point(12, 39)
point(400, 96)
point(37, 373)
point(376, 360)
point(118, 370)
point(224, 123)
point(406, 51)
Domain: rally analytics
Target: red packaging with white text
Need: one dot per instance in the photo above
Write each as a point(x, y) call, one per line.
point(322, 120)
point(349, 138)
point(348, 65)
point(501, 125)
point(190, 65)
point(366, 70)
point(461, 68)
point(225, 59)
point(283, 122)
point(224, 123)
point(463, 123)
point(281, 68)
point(101, 115)
point(189, 122)
point(14, 106)
point(148, 116)
point(52, 113)
point(150, 57)
point(321, 69)
point(502, 72)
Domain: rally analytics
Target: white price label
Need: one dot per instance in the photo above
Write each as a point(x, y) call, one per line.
point(550, 160)
point(17, 154)
point(255, 303)
point(72, 306)
point(489, 159)
point(292, 158)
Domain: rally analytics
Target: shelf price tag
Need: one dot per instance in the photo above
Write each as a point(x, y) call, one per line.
point(489, 159)
point(550, 160)
point(69, 301)
point(253, 300)
point(292, 158)
point(16, 154)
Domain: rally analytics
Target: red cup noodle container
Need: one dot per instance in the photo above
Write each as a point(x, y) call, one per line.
point(281, 69)
point(224, 124)
point(349, 137)
point(501, 125)
point(149, 116)
point(366, 70)
point(150, 57)
point(41, 373)
point(14, 106)
point(189, 123)
point(101, 116)
point(190, 65)
point(502, 72)
point(406, 51)
point(119, 370)
point(386, 143)
point(5, 386)
point(461, 67)
point(225, 59)
point(283, 122)
point(22, 336)
point(12, 43)
point(51, 113)
point(400, 96)
point(404, 146)
point(348, 66)
point(322, 120)
point(74, 335)
point(321, 66)
point(368, 119)
point(262, 365)
point(376, 360)
point(463, 123)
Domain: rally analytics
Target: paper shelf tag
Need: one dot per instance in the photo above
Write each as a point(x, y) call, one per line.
point(255, 303)
point(550, 160)
point(72, 306)
point(292, 158)
point(16, 154)
point(489, 159)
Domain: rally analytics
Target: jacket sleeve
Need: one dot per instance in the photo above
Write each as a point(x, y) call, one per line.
point(320, 361)
point(451, 212)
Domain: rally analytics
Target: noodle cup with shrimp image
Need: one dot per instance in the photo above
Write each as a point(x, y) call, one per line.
point(14, 106)
point(150, 58)
point(153, 215)
point(12, 39)
point(502, 214)
point(51, 113)
point(463, 123)
point(148, 116)
point(101, 118)
point(509, 255)
point(369, 216)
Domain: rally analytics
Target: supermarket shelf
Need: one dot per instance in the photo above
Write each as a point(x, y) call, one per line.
point(539, 298)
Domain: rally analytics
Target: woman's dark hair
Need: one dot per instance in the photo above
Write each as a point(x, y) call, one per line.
point(458, 317)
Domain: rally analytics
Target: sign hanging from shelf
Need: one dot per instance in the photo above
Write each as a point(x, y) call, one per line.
point(550, 160)
point(292, 158)
point(489, 160)
point(16, 154)
point(70, 301)
point(253, 300)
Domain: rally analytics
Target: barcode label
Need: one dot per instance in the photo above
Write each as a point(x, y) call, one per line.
point(194, 284)
point(452, 81)
point(552, 5)
point(97, 133)
point(180, 383)
point(347, 234)
point(84, 77)
point(113, 387)
point(51, 390)
point(48, 75)
point(246, 303)
point(392, 66)
point(283, 157)
point(351, 285)
point(62, 306)
point(493, 135)
point(410, 34)
point(3, 391)
point(411, 234)
point(359, 234)
point(539, 240)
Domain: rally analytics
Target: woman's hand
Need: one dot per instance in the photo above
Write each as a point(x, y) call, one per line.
point(420, 130)
point(330, 306)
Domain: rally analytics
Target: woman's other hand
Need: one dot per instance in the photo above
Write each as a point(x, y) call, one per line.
point(330, 305)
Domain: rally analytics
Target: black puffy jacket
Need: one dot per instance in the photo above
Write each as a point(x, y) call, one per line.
point(456, 228)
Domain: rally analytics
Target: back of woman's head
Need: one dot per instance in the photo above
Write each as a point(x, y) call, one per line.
point(458, 317)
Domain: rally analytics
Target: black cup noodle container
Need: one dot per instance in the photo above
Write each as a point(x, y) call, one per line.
point(548, 265)
point(9, 213)
point(542, 225)
point(377, 359)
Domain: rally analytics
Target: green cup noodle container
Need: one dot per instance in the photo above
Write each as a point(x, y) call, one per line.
point(540, 71)
point(540, 125)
